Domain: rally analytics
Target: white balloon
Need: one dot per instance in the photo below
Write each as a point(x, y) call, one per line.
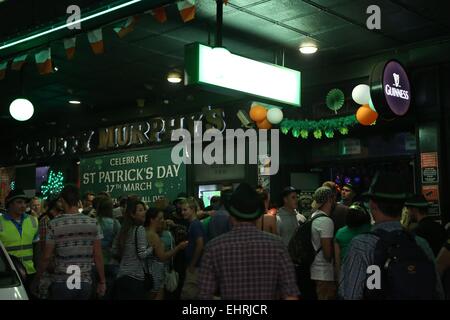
point(21, 109)
point(274, 116)
point(361, 94)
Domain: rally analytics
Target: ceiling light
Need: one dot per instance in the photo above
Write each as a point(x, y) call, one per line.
point(66, 25)
point(308, 49)
point(74, 101)
point(21, 109)
point(174, 76)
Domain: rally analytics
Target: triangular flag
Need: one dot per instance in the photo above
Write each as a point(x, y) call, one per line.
point(3, 66)
point(126, 27)
point(44, 61)
point(187, 9)
point(160, 14)
point(18, 62)
point(96, 40)
point(69, 45)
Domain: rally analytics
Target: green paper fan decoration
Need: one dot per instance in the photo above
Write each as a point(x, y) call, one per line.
point(335, 100)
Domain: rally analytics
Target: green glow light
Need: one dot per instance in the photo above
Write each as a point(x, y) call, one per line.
point(220, 68)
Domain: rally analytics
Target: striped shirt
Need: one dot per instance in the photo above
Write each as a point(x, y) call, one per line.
point(133, 257)
point(246, 263)
point(73, 236)
point(360, 255)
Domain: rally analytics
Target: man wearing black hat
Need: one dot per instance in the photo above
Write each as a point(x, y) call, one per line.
point(426, 227)
point(375, 249)
point(18, 230)
point(246, 263)
point(347, 194)
point(288, 218)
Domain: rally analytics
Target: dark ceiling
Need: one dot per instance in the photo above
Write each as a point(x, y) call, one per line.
point(135, 67)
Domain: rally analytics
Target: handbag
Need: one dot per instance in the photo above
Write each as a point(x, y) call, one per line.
point(171, 278)
point(148, 278)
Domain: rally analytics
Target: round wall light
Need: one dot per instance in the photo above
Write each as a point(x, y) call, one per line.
point(21, 109)
point(174, 76)
point(308, 48)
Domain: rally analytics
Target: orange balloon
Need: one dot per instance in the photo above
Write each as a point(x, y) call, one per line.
point(264, 124)
point(258, 113)
point(366, 116)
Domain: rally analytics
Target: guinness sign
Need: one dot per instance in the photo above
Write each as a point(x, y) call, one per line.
point(390, 89)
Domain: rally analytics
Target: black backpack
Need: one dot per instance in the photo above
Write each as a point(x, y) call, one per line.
point(300, 246)
point(406, 271)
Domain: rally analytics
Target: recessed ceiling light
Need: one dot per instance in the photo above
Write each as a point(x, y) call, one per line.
point(74, 102)
point(308, 49)
point(174, 76)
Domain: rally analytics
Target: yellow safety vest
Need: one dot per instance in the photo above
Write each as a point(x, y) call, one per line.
point(18, 245)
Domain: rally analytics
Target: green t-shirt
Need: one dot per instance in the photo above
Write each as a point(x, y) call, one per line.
point(345, 235)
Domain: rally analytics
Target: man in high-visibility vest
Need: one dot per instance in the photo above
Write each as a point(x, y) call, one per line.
point(19, 231)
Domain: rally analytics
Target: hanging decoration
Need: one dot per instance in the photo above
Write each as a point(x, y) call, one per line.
point(318, 134)
point(329, 133)
point(335, 99)
point(275, 115)
point(264, 124)
point(303, 127)
point(53, 185)
point(12, 185)
point(361, 94)
point(366, 116)
point(125, 27)
point(304, 134)
point(186, 9)
point(69, 46)
point(258, 113)
point(3, 66)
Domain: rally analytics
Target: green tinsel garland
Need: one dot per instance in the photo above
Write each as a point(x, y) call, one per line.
point(302, 127)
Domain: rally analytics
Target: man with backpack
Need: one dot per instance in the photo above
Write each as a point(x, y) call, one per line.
point(389, 263)
point(311, 249)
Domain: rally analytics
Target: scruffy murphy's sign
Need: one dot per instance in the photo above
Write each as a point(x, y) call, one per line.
point(148, 132)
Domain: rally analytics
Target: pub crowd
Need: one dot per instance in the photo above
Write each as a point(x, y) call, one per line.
point(242, 246)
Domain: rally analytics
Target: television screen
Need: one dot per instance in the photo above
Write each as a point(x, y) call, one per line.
point(207, 195)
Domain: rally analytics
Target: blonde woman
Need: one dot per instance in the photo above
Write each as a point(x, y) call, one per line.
point(196, 240)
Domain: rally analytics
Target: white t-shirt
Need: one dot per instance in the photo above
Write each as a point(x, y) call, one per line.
point(322, 227)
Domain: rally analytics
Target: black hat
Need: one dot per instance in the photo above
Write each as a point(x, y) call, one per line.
point(15, 194)
point(244, 203)
point(288, 190)
point(387, 186)
point(417, 201)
